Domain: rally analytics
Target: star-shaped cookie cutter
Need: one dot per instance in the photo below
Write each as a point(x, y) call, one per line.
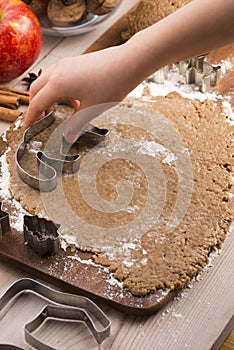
point(195, 70)
point(49, 166)
point(201, 73)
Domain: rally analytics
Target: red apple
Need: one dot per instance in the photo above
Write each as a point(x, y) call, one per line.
point(20, 38)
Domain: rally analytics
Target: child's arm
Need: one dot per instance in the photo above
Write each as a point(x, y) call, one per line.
point(109, 75)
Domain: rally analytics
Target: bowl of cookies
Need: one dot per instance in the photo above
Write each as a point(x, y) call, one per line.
point(71, 17)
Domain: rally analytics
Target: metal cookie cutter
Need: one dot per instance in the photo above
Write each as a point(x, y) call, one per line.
point(41, 235)
point(93, 136)
point(68, 307)
point(4, 222)
point(49, 166)
point(160, 75)
point(198, 71)
point(58, 313)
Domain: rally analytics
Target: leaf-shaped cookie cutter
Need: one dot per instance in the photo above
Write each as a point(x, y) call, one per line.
point(4, 222)
point(68, 307)
point(41, 235)
point(49, 166)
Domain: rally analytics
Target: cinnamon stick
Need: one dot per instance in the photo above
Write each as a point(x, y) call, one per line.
point(9, 115)
point(21, 94)
point(9, 101)
point(24, 99)
point(15, 90)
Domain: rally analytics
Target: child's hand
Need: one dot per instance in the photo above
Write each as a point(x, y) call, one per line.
point(86, 80)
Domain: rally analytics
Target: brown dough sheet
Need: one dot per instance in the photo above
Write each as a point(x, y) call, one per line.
point(157, 258)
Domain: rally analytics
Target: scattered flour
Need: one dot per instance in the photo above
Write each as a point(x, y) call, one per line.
point(151, 148)
point(17, 214)
point(18, 123)
point(111, 280)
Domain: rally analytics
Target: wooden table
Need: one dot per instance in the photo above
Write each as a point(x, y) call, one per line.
point(199, 318)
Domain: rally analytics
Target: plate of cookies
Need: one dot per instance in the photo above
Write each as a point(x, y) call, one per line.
point(71, 17)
